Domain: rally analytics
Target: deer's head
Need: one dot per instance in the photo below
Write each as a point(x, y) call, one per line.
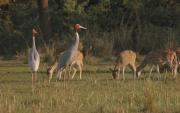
point(114, 73)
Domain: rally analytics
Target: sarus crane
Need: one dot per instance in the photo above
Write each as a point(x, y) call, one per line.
point(33, 58)
point(68, 56)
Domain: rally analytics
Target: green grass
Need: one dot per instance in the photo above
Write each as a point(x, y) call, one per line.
point(95, 93)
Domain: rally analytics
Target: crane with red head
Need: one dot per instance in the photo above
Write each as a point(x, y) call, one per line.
point(33, 58)
point(68, 56)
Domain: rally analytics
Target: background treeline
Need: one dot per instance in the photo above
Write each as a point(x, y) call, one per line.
point(113, 25)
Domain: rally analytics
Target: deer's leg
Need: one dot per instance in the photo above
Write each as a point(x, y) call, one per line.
point(133, 67)
point(49, 77)
point(70, 69)
point(175, 73)
point(157, 67)
point(80, 71)
point(74, 72)
point(118, 73)
point(123, 70)
point(69, 72)
point(151, 69)
point(174, 70)
point(139, 68)
point(65, 73)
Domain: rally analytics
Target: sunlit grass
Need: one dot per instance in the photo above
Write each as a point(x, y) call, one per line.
point(95, 93)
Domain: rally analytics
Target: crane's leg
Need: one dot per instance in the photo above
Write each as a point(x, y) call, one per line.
point(66, 74)
point(32, 76)
point(60, 73)
point(33, 79)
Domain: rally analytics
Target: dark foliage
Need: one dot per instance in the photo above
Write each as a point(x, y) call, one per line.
point(141, 25)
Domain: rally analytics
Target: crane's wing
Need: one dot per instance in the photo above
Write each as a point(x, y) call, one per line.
point(64, 59)
point(34, 60)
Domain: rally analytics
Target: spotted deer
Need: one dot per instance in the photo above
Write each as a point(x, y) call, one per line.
point(78, 62)
point(51, 69)
point(158, 58)
point(178, 55)
point(124, 58)
point(178, 58)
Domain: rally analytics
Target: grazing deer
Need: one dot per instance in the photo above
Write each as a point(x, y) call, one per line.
point(155, 59)
point(51, 69)
point(125, 58)
point(78, 61)
point(178, 55)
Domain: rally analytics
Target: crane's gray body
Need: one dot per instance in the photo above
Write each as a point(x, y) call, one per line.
point(67, 57)
point(34, 59)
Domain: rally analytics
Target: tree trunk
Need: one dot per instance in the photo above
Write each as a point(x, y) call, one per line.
point(139, 36)
point(137, 33)
point(45, 23)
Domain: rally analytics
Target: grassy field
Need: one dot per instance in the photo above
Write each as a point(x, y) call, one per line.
point(95, 93)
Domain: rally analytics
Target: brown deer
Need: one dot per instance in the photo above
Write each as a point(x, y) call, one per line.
point(158, 58)
point(125, 58)
point(78, 62)
point(51, 69)
point(178, 55)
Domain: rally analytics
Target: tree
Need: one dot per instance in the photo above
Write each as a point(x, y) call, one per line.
point(45, 23)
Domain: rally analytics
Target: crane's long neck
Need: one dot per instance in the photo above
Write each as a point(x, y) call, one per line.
point(76, 44)
point(33, 43)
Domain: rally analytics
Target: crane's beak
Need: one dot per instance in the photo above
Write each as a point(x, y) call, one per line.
point(82, 27)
